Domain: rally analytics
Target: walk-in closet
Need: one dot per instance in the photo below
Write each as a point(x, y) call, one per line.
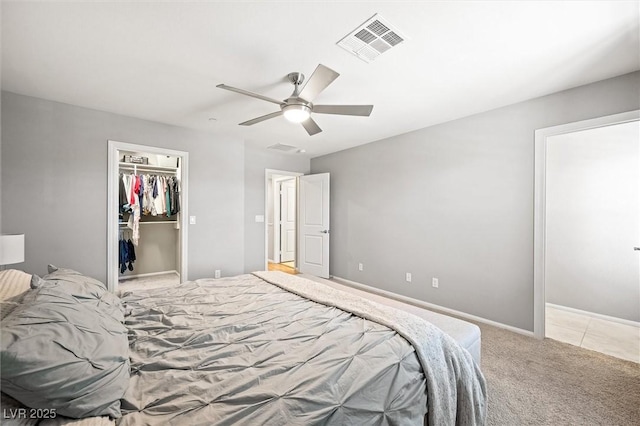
point(148, 203)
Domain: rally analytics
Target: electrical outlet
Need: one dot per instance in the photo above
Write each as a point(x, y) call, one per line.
point(434, 282)
point(408, 277)
point(216, 274)
point(360, 267)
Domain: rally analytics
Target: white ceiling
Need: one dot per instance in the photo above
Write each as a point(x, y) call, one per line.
point(161, 60)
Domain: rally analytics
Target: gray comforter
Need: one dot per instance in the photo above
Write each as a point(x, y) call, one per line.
point(244, 351)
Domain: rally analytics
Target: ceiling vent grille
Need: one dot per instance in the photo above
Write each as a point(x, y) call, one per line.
point(282, 147)
point(372, 39)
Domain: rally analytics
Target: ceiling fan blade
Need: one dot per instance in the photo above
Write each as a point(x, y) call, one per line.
point(260, 119)
point(311, 126)
point(320, 79)
point(361, 110)
point(245, 92)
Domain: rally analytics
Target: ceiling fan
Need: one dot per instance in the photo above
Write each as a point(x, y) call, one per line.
point(298, 107)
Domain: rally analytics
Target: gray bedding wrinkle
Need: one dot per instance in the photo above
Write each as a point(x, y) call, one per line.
point(456, 388)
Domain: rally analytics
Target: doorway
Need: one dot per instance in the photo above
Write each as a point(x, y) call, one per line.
point(309, 238)
point(159, 240)
point(587, 272)
point(281, 218)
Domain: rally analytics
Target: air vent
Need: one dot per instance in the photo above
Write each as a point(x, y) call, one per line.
point(282, 147)
point(372, 39)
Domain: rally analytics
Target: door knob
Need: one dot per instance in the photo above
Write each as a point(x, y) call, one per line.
point(636, 248)
point(326, 231)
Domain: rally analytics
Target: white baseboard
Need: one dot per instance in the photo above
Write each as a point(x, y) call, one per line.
point(150, 274)
point(594, 315)
point(430, 306)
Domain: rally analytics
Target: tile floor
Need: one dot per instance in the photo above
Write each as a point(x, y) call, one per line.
point(611, 338)
point(163, 280)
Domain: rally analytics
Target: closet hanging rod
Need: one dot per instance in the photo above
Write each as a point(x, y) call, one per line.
point(150, 172)
point(145, 166)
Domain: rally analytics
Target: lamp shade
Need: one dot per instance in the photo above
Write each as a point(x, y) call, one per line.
point(11, 249)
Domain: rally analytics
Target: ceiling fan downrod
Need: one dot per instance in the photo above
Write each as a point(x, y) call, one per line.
point(296, 78)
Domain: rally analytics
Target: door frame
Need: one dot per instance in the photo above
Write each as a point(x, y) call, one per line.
point(539, 226)
point(112, 206)
point(269, 173)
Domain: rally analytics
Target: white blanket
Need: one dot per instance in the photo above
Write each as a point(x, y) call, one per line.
point(456, 388)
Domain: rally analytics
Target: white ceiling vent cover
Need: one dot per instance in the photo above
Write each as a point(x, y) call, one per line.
point(282, 147)
point(372, 39)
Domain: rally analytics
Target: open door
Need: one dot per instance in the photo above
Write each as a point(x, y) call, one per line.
point(313, 220)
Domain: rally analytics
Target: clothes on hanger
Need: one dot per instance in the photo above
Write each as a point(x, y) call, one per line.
point(148, 194)
point(126, 254)
point(132, 187)
point(175, 195)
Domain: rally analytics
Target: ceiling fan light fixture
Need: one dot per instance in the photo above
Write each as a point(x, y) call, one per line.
point(298, 107)
point(296, 113)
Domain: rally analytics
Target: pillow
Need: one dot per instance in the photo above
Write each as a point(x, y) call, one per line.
point(85, 289)
point(59, 351)
point(13, 286)
point(71, 275)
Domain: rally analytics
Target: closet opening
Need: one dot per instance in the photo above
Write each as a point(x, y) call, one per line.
point(147, 220)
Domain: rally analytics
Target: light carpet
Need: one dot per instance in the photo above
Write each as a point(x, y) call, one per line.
point(546, 382)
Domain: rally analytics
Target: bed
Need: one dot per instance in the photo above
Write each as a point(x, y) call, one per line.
point(264, 348)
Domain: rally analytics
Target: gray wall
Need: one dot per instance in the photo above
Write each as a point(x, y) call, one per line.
point(455, 201)
point(54, 186)
point(256, 161)
point(593, 220)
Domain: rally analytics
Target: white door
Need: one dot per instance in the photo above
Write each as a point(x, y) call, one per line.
point(313, 218)
point(288, 220)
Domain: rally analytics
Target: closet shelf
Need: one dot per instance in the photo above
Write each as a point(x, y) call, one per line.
point(146, 167)
point(146, 223)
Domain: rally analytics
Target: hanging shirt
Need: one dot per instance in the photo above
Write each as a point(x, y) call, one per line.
point(134, 218)
point(140, 191)
point(176, 192)
point(135, 187)
point(153, 189)
point(126, 182)
point(148, 189)
point(159, 199)
point(122, 196)
point(168, 199)
point(171, 202)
